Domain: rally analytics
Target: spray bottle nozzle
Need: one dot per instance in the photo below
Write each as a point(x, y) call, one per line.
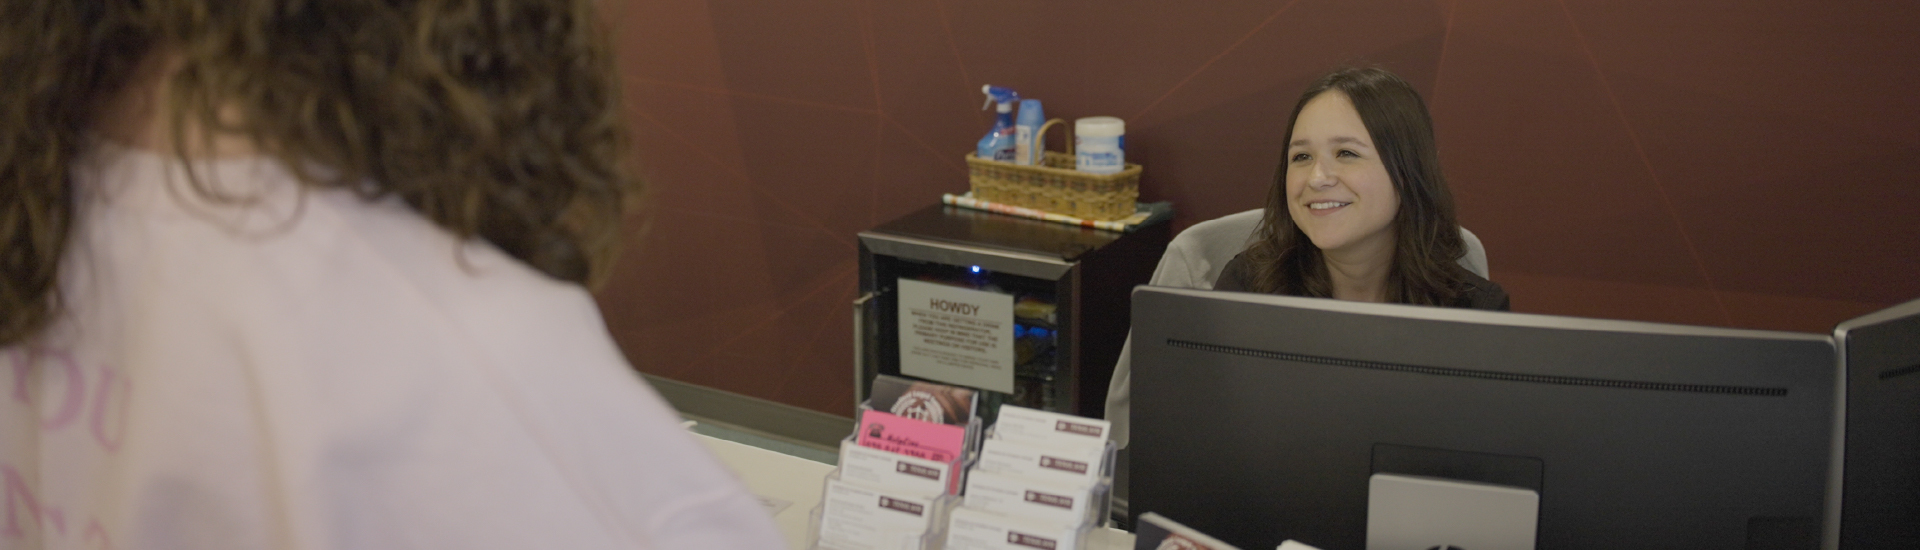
point(998, 144)
point(996, 94)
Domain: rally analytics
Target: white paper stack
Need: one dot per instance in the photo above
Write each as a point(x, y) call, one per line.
point(1041, 481)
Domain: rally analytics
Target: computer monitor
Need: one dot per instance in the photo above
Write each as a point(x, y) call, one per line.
point(1880, 497)
point(1262, 418)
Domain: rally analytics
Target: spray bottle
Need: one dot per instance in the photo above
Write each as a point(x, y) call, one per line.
point(998, 144)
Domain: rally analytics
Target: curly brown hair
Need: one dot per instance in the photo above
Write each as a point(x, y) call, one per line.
point(493, 118)
point(1426, 234)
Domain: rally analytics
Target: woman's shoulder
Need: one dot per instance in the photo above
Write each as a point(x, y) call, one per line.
point(1483, 294)
point(1237, 276)
point(339, 259)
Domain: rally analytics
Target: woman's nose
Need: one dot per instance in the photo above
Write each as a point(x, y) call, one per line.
point(1322, 176)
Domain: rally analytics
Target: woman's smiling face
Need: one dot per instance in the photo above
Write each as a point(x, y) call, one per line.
point(1338, 190)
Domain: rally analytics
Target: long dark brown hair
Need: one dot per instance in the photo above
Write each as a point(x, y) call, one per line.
point(493, 118)
point(1427, 239)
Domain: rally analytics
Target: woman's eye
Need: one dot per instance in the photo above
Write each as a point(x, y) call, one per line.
point(1349, 153)
point(1300, 157)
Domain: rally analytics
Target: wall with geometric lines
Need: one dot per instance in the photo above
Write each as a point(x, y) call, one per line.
point(1748, 163)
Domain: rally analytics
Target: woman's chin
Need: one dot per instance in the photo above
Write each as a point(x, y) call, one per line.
point(1326, 242)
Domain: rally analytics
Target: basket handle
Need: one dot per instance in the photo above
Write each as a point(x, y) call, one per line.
point(1040, 137)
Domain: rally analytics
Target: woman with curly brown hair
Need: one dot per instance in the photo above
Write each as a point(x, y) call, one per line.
point(311, 274)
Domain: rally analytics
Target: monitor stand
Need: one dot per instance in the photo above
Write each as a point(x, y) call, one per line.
point(1425, 513)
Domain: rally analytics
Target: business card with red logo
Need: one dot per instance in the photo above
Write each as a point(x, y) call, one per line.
point(1052, 429)
point(915, 438)
point(1021, 496)
point(902, 473)
point(1068, 465)
point(922, 400)
point(974, 529)
point(856, 517)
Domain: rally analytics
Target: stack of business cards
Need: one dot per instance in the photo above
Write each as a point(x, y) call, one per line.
point(899, 471)
point(975, 529)
point(1041, 481)
point(922, 400)
point(1080, 467)
point(1050, 429)
point(858, 517)
point(917, 418)
point(902, 473)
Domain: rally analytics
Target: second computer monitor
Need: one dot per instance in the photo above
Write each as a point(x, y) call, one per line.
point(1263, 418)
point(1881, 497)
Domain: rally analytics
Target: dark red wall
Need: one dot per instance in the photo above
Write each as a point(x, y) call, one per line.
point(1732, 163)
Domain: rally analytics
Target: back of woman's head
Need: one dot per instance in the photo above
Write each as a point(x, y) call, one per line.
point(492, 118)
point(1426, 231)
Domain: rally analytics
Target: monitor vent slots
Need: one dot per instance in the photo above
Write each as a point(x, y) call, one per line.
point(1890, 374)
point(1486, 375)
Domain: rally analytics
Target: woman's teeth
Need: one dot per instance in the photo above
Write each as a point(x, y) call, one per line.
point(1327, 205)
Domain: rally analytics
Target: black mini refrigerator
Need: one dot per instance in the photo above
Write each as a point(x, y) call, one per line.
point(1032, 312)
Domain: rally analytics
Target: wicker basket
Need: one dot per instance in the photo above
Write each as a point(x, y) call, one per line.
point(1055, 186)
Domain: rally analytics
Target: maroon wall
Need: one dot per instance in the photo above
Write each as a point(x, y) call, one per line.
point(1730, 163)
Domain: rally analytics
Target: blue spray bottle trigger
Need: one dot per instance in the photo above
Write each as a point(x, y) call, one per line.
point(996, 94)
point(998, 144)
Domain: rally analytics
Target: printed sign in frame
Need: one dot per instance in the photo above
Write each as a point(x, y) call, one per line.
point(956, 335)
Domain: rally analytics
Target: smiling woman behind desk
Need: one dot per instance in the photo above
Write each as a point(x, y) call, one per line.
point(1359, 209)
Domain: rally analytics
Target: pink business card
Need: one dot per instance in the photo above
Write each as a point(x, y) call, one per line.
point(915, 438)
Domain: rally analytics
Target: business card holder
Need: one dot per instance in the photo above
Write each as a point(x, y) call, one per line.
point(868, 508)
point(1100, 513)
point(854, 531)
